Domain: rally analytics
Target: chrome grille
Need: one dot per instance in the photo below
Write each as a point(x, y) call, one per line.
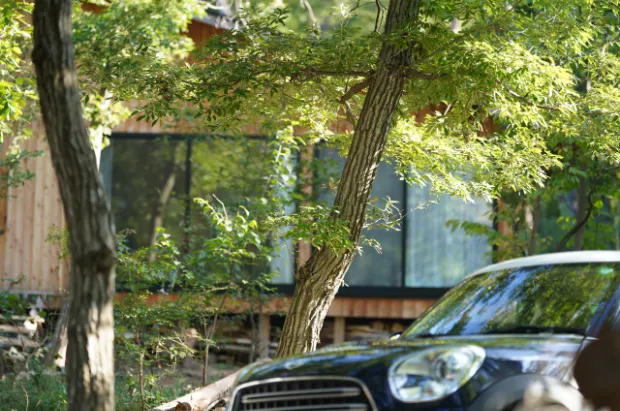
point(303, 394)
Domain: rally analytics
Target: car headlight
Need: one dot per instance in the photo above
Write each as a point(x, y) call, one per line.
point(435, 373)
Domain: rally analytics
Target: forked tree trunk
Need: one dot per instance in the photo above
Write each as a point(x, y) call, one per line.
point(90, 369)
point(318, 280)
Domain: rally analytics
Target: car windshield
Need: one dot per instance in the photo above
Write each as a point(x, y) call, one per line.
point(559, 298)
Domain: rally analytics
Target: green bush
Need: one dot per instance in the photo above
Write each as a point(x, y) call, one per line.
point(45, 391)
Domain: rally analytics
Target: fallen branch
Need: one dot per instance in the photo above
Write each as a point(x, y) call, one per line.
point(202, 398)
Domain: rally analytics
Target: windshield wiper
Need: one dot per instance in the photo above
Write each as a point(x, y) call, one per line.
point(535, 329)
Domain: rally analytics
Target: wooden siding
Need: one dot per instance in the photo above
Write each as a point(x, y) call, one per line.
point(348, 307)
point(4, 203)
point(30, 212)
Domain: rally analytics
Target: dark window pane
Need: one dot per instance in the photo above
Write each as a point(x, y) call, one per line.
point(372, 268)
point(146, 183)
point(436, 255)
point(236, 172)
point(525, 300)
point(145, 180)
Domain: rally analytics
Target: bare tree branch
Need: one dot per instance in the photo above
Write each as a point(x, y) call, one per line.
point(378, 19)
point(344, 100)
point(562, 244)
point(306, 4)
point(356, 88)
point(359, 6)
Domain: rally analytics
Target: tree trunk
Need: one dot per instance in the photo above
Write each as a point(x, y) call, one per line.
point(163, 198)
point(535, 226)
point(318, 280)
point(582, 210)
point(57, 354)
point(585, 208)
point(90, 369)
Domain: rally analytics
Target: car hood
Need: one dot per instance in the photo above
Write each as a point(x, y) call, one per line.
point(550, 355)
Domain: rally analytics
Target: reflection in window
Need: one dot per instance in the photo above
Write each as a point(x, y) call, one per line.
point(371, 268)
point(231, 170)
point(283, 262)
point(436, 255)
point(519, 300)
point(236, 172)
point(145, 180)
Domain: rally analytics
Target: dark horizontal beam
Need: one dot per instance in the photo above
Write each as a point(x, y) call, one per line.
point(376, 292)
point(352, 291)
point(181, 136)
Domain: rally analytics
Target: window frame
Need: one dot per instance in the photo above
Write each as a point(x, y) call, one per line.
point(357, 291)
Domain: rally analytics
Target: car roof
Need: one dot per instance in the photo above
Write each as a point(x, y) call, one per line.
point(569, 257)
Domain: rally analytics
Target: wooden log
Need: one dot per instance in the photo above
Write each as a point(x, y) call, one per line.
point(202, 398)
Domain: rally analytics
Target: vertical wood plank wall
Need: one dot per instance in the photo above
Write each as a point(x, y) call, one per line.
point(4, 202)
point(29, 214)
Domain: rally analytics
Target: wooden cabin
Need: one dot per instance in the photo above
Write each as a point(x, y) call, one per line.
point(385, 292)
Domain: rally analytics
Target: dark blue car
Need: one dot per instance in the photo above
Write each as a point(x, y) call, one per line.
point(507, 328)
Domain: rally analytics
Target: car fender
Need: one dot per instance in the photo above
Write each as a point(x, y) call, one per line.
point(532, 389)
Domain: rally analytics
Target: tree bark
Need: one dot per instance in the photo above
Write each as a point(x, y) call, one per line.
point(90, 369)
point(57, 354)
point(319, 279)
point(585, 208)
point(582, 210)
point(163, 198)
point(536, 215)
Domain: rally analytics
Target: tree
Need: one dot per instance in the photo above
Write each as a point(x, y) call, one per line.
point(465, 65)
point(577, 207)
point(320, 277)
point(90, 364)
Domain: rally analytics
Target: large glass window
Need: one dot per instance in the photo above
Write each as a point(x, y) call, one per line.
point(437, 256)
point(146, 176)
point(145, 180)
point(371, 268)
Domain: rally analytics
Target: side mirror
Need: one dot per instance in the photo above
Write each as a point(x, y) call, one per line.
point(395, 336)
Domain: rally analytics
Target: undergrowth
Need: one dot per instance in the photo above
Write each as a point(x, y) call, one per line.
point(43, 391)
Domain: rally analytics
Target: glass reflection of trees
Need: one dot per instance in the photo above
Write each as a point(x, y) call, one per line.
point(560, 296)
point(146, 179)
point(147, 187)
point(148, 176)
point(233, 170)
